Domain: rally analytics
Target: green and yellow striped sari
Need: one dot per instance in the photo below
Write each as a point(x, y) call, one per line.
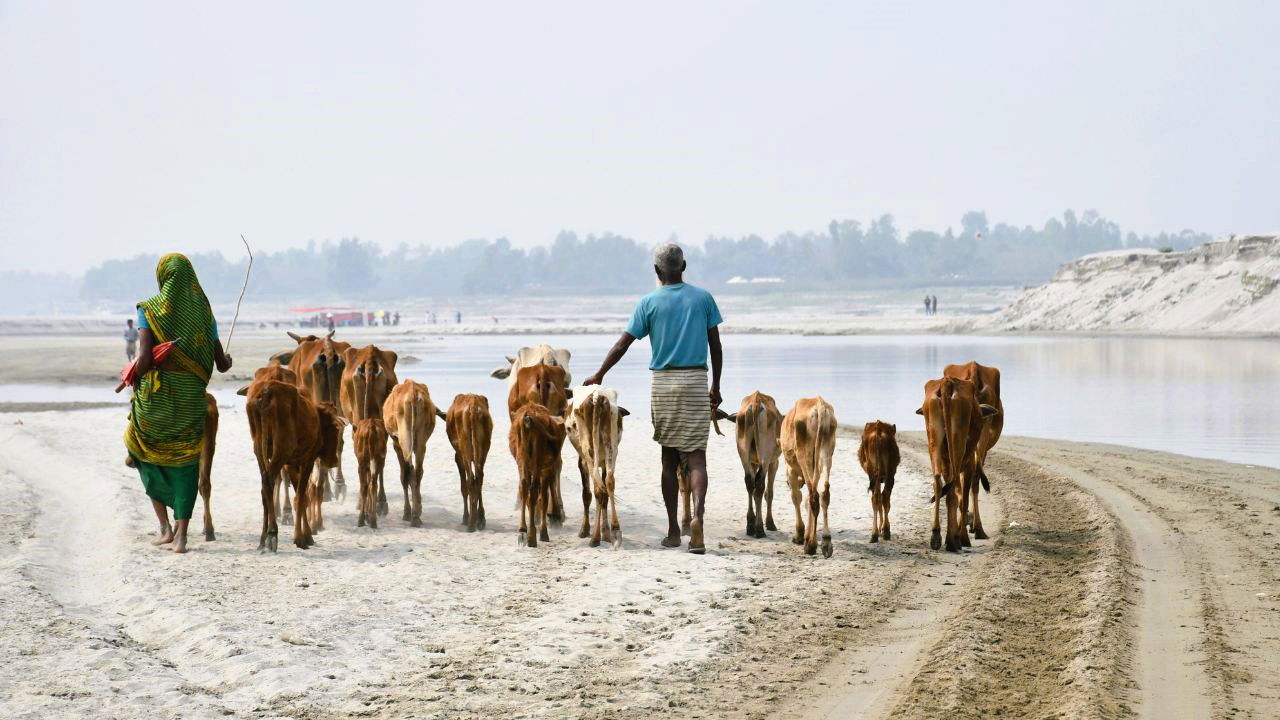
point(166, 418)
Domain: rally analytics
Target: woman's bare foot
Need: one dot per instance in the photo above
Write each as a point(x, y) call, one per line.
point(179, 544)
point(165, 537)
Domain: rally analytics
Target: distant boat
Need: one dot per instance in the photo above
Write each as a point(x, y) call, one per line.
point(739, 280)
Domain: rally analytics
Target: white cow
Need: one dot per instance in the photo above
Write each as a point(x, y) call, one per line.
point(543, 354)
point(594, 426)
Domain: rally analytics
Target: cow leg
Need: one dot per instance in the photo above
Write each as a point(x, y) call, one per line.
point(523, 499)
point(362, 502)
point(206, 489)
point(315, 495)
point(793, 481)
point(935, 540)
point(268, 510)
point(477, 489)
point(340, 484)
point(383, 508)
point(544, 510)
point(302, 497)
point(750, 481)
point(758, 497)
point(286, 513)
point(953, 521)
point(585, 531)
point(417, 491)
point(962, 527)
point(555, 510)
point(406, 485)
point(978, 533)
point(534, 502)
point(827, 548)
point(875, 511)
point(768, 498)
point(886, 492)
point(614, 525)
point(600, 532)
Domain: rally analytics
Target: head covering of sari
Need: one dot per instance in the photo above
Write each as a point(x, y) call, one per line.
point(166, 422)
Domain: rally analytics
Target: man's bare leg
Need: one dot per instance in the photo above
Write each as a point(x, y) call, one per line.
point(162, 514)
point(697, 464)
point(671, 494)
point(180, 535)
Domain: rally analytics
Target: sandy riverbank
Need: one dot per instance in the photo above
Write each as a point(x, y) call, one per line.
point(1064, 611)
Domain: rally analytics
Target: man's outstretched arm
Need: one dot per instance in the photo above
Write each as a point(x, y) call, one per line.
point(717, 360)
point(615, 354)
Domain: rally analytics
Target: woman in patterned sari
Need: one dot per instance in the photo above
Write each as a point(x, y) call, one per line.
point(166, 419)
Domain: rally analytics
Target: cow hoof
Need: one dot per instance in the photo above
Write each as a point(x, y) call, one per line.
point(827, 549)
point(584, 532)
point(935, 541)
point(875, 538)
point(533, 540)
point(760, 534)
point(887, 536)
point(273, 542)
point(595, 542)
point(543, 536)
point(480, 524)
point(953, 546)
point(617, 539)
point(340, 492)
point(686, 527)
point(979, 535)
point(416, 522)
point(471, 527)
point(208, 536)
point(555, 519)
point(383, 508)
point(768, 525)
point(360, 520)
point(286, 518)
point(797, 539)
point(521, 539)
point(964, 541)
point(811, 548)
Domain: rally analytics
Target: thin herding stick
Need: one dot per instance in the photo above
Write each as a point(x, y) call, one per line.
point(227, 347)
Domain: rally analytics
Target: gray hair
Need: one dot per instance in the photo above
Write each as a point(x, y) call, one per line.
point(669, 258)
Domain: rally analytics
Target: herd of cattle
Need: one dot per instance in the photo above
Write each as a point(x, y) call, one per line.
point(299, 405)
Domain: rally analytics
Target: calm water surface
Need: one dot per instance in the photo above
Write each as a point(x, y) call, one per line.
point(1201, 397)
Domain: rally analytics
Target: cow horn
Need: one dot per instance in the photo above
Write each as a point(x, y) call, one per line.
point(441, 414)
point(501, 373)
point(623, 412)
point(920, 410)
point(330, 335)
point(510, 360)
point(243, 391)
point(296, 338)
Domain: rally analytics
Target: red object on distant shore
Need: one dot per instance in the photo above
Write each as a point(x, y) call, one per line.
point(129, 375)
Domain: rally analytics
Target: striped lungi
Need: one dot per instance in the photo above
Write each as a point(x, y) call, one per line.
point(680, 408)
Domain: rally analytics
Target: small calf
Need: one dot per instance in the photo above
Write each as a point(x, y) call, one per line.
point(535, 441)
point(878, 455)
point(370, 439)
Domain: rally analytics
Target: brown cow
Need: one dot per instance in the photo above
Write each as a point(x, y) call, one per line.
point(594, 426)
point(808, 440)
point(536, 440)
point(470, 429)
point(953, 425)
point(759, 425)
point(986, 381)
point(206, 460)
point(284, 510)
point(878, 455)
point(367, 378)
point(290, 433)
point(545, 385)
point(410, 418)
point(370, 439)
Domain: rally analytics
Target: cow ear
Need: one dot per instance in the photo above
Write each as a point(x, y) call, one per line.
point(393, 356)
point(568, 393)
point(986, 410)
point(893, 428)
point(281, 358)
point(920, 410)
point(501, 373)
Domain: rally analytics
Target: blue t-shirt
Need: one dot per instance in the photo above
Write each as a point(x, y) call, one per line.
point(676, 318)
point(144, 325)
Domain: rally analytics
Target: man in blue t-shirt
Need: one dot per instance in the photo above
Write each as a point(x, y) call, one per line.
point(681, 322)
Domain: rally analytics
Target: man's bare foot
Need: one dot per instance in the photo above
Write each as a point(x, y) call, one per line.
point(166, 536)
point(179, 545)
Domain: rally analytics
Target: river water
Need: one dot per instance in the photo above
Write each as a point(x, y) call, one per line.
point(1215, 398)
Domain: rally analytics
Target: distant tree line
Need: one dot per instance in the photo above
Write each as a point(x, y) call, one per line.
point(846, 255)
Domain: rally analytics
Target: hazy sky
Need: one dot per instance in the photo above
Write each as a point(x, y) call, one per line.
point(130, 127)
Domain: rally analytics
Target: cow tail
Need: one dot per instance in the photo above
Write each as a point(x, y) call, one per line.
point(982, 476)
point(815, 422)
point(758, 423)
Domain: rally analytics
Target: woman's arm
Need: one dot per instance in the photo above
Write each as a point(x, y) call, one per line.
point(146, 341)
point(220, 357)
point(615, 354)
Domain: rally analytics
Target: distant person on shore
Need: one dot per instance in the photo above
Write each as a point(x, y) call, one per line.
point(130, 340)
point(926, 304)
point(934, 311)
point(167, 413)
point(396, 318)
point(458, 315)
point(682, 322)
